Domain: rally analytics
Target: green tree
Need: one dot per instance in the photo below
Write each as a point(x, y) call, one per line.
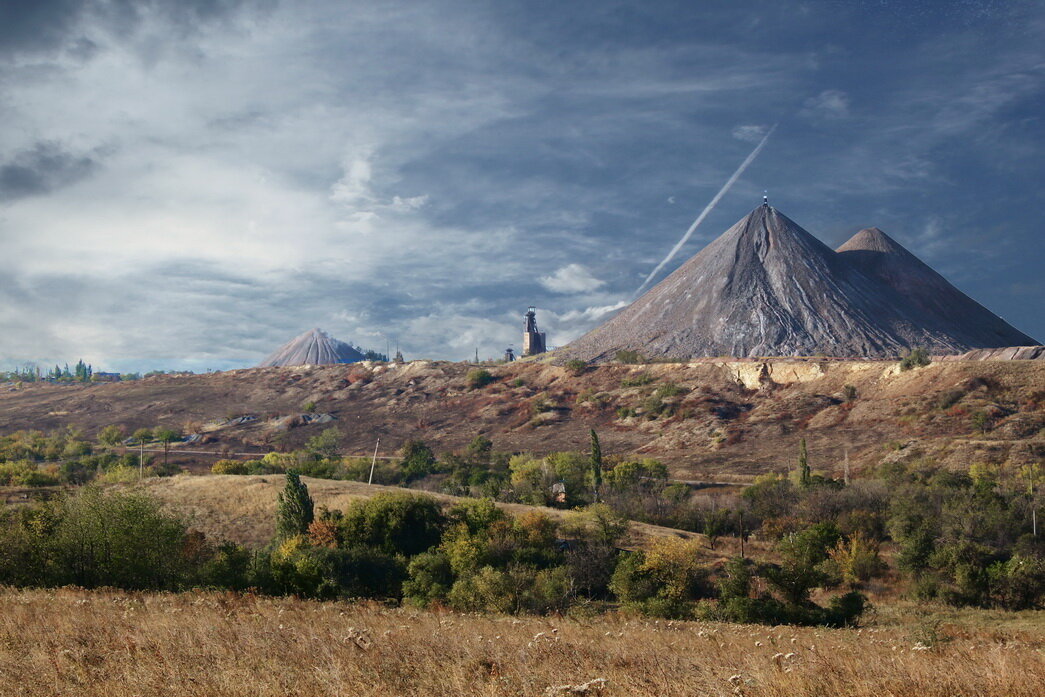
point(406, 524)
point(294, 509)
point(805, 474)
point(325, 444)
point(418, 460)
point(802, 556)
point(166, 436)
point(111, 435)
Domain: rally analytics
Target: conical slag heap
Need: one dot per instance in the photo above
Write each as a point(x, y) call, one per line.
point(766, 287)
point(880, 256)
point(314, 347)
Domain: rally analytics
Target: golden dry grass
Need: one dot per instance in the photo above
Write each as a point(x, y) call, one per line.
point(74, 642)
point(242, 508)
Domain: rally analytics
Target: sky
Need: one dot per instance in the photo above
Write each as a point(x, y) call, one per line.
point(187, 185)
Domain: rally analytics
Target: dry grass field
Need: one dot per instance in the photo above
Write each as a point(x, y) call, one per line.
point(73, 642)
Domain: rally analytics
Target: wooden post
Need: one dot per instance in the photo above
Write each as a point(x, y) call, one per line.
point(373, 463)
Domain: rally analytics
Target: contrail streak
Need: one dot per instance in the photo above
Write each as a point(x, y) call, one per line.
point(704, 213)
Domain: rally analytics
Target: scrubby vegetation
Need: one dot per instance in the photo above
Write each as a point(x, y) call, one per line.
point(470, 556)
point(478, 378)
point(36, 459)
point(964, 538)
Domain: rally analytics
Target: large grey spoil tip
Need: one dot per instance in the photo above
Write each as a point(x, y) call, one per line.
point(766, 287)
point(314, 347)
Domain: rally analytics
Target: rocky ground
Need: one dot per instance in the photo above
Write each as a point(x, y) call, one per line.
point(709, 419)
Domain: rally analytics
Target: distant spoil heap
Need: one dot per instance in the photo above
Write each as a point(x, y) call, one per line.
point(314, 347)
point(766, 287)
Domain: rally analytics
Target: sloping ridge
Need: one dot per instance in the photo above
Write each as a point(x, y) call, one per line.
point(878, 255)
point(314, 347)
point(766, 287)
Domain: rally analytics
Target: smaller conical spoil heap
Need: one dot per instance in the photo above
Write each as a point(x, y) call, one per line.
point(314, 347)
point(970, 323)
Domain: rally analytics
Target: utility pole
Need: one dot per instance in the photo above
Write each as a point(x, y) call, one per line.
point(373, 463)
point(846, 470)
point(1033, 511)
point(141, 459)
point(741, 514)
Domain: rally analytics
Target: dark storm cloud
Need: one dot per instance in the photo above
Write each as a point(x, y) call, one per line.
point(40, 170)
point(35, 26)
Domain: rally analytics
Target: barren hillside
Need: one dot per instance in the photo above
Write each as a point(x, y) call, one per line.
point(707, 419)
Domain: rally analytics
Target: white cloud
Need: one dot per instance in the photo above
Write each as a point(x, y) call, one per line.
point(750, 133)
point(829, 104)
point(572, 278)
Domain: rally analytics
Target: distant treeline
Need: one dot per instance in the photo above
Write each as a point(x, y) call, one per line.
point(81, 372)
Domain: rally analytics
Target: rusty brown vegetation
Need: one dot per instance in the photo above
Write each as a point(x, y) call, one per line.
point(117, 644)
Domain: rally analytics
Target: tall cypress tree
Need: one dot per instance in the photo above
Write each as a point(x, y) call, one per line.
point(596, 464)
point(294, 512)
point(805, 476)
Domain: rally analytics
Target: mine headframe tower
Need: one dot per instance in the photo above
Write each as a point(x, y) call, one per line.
point(533, 339)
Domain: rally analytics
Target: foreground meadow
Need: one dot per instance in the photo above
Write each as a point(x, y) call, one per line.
point(117, 644)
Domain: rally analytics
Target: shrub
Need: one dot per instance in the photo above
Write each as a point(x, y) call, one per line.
point(639, 380)
point(230, 467)
point(1019, 583)
point(670, 389)
point(915, 358)
point(662, 581)
point(321, 572)
point(948, 399)
point(629, 357)
point(625, 412)
point(95, 538)
point(478, 378)
point(429, 579)
point(540, 405)
point(404, 524)
point(575, 366)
